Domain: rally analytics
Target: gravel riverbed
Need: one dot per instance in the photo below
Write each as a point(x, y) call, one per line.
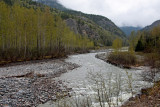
point(31, 84)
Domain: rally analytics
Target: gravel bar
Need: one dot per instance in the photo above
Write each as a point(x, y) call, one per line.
point(31, 84)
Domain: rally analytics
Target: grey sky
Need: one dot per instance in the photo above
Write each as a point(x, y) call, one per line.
point(121, 12)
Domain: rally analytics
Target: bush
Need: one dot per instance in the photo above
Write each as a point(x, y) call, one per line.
point(123, 58)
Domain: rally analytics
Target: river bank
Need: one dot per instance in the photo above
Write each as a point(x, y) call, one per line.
point(32, 83)
point(148, 97)
point(139, 64)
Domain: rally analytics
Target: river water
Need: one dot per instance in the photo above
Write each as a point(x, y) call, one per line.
point(78, 79)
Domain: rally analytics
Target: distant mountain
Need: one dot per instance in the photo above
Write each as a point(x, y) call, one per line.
point(150, 27)
point(128, 29)
point(96, 27)
point(52, 3)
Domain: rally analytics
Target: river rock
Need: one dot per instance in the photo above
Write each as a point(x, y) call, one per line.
point(18, 88)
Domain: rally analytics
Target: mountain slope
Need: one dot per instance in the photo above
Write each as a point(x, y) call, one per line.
point(99, 20)
point(128, 29)
point(52, 3)
point(98, 28)
point(150, 27)
point(102, 21)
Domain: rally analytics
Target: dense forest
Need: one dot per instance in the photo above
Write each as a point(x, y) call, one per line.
point(34, 32)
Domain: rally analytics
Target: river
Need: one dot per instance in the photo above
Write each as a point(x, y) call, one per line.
point(78, 79)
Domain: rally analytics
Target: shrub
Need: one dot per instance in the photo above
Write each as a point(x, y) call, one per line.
point(123, 58)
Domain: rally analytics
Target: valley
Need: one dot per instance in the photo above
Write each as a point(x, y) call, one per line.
point(54, 56)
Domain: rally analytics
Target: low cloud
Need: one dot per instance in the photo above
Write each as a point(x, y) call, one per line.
point(121, 12)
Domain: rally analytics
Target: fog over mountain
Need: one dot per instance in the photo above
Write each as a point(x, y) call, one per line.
point(121, 12)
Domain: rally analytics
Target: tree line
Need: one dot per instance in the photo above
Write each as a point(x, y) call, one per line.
point(35, 33)
point(146, 41)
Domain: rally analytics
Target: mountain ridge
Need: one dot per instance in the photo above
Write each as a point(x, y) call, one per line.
point(150, 27)
point(102, 21)
point(98, 28)
point(52, 3)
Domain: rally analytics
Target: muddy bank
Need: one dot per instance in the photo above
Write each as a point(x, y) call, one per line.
point(32, 84)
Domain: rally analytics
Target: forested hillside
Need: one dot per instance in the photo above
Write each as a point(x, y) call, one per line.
point(32, 31)
point(98, 28)
point(102, 21)
point(52, 3)
point(149, 41)
point(146, 41)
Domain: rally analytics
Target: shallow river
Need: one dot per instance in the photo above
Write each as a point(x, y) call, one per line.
point(79, 81)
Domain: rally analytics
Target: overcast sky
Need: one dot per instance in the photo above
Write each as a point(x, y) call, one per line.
point(121, 12)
